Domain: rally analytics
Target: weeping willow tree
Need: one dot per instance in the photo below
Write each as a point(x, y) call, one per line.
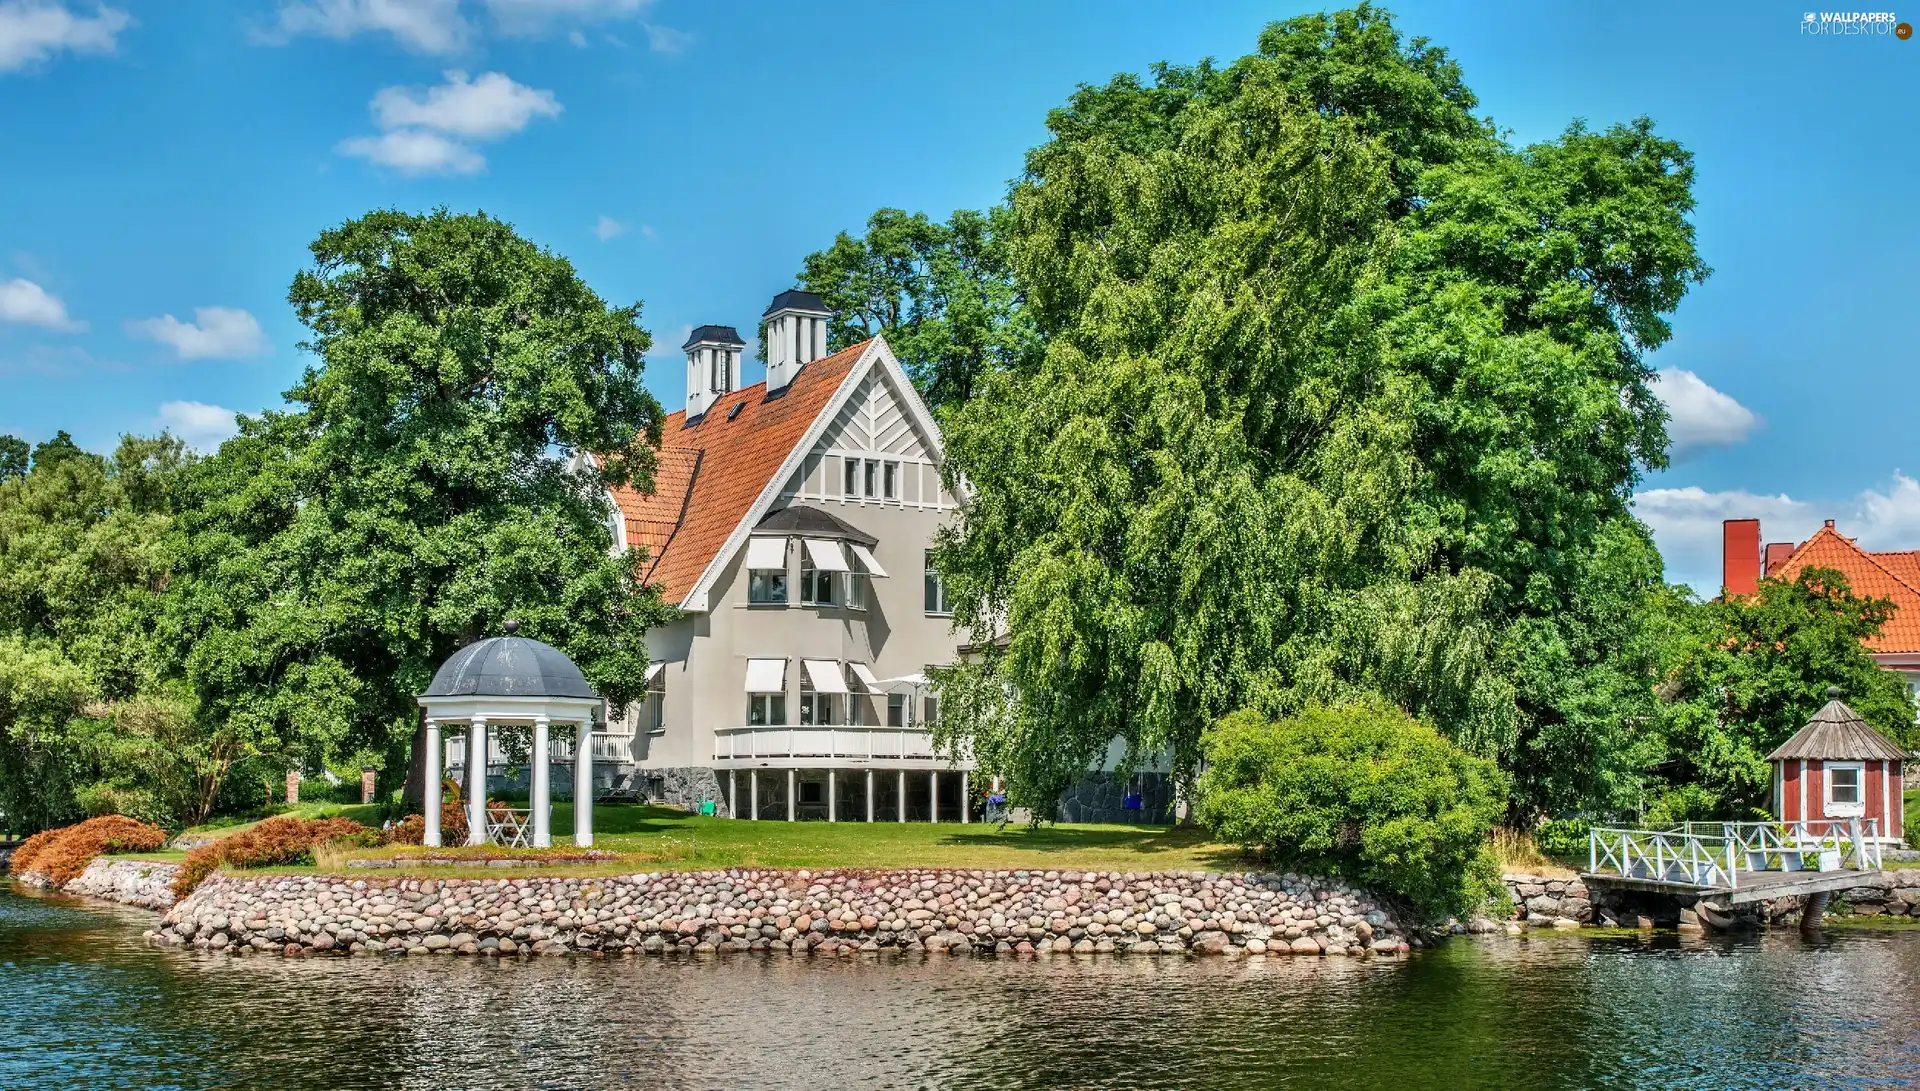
point(1339, 393)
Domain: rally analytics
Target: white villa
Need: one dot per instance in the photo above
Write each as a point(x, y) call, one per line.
point(790, 522)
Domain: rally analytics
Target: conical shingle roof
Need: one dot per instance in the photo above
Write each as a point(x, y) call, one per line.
point(1837, 733)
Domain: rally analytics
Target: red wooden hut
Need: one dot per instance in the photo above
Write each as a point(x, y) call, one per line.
point(1839, 768)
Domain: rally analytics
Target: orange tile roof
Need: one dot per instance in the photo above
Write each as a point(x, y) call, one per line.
point(711, 471)
point(1894, 576)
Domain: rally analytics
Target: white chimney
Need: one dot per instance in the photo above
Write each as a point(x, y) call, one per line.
point(796, 325)
point(713, 366)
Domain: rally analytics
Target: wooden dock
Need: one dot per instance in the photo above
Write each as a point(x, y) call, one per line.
point(1748, 886)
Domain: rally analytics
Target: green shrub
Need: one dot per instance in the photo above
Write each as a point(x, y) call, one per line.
point(1686, 803)
point(1360, 790)
point(1910, 820)
point(1564, 838)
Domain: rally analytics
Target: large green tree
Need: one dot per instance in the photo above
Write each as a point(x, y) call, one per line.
point(942, 293)
point(84, 562)
point(425, 486)
point(1339, 392)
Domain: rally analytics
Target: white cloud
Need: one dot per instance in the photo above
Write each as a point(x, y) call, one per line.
point(25, 302)
point(425, 26)
point(429, 130)
point(214, 332)
point(646, 230)
point(414, 152)
point(535, 16)
point(1686, 522)
point(665, 346)
point(607, 228)
point(486, 108)
point(1699, 415)
point(666, 39)
point(203, 427)
point(578, 39)
point(34, 30)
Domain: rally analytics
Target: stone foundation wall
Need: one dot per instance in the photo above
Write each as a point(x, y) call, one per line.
point(984, 912)
point(1098, 798)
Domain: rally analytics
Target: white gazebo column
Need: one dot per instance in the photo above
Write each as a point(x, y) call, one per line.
point(793, 793)
point(583, 783)
point(733, 795)
point(753, 795)
point(477, 781)
point(900, 801)
point(869, 795)
point(966, 800)
point(430, 790)
point(542, 789)
point(933, 796)
point(833, 797)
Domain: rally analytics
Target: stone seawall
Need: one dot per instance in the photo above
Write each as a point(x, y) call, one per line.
point(145, 883)
point(1540, 901)
point(800, 912)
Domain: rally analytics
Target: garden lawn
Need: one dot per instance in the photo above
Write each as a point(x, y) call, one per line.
point(690, 843)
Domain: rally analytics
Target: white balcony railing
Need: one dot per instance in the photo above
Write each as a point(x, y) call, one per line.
point(849, 741)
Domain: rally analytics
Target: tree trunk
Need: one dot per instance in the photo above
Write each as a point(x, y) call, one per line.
point(415, 793)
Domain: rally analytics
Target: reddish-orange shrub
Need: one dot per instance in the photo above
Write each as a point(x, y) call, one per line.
point(285, 839)
point(62, 854)
point(412, 830)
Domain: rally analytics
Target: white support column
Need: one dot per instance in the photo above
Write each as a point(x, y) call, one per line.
point(869, 795)
point(733, 795)
point(430, 790)
point(753, 794)
point(966, 799)
point(583, 784)
point(833, 798)
point(900, 803)
point(542, 793)
point(933, 796)
point(477, 781)
point(793, 793)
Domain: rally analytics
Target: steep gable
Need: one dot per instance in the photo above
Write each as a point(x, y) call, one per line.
point(715, 467)
point(1871, 575)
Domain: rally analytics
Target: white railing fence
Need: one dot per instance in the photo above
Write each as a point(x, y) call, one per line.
point(607, 747)
point(1714, 853)
point(850, 741)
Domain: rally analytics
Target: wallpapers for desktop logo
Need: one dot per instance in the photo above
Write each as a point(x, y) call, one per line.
point(1853, 23)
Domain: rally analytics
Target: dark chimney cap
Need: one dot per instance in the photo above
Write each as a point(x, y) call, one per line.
point(793, 299)
point(714, 335)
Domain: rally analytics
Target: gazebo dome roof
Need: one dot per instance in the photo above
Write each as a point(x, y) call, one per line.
point(1837, 733)
point(510, 666)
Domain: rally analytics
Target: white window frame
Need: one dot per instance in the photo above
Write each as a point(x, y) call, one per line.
point(1837, 809)
point(850, 478)
point(654, 706)
point(890, 481)
point(767, 705)
point(936, 604)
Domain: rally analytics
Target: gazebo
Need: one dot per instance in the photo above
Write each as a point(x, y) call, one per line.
point(1837, 769)
point(512, 681)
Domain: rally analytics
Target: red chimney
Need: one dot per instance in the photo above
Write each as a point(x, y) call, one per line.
point(1778, 553)
point(1740, 556)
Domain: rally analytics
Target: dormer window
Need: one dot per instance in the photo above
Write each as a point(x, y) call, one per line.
point(850, 487)
point(890, 485)
point(872, 479)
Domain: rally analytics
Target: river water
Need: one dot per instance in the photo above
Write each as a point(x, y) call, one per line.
point(84, 1002)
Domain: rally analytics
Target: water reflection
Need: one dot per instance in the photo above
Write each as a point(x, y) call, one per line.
point(87, 1003)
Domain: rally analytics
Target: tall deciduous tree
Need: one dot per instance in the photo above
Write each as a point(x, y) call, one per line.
point(83, 564)
point(1338, 388)
point(423, 489)
point(942, 293)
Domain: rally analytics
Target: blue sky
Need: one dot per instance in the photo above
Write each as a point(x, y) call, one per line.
point(163, 164)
